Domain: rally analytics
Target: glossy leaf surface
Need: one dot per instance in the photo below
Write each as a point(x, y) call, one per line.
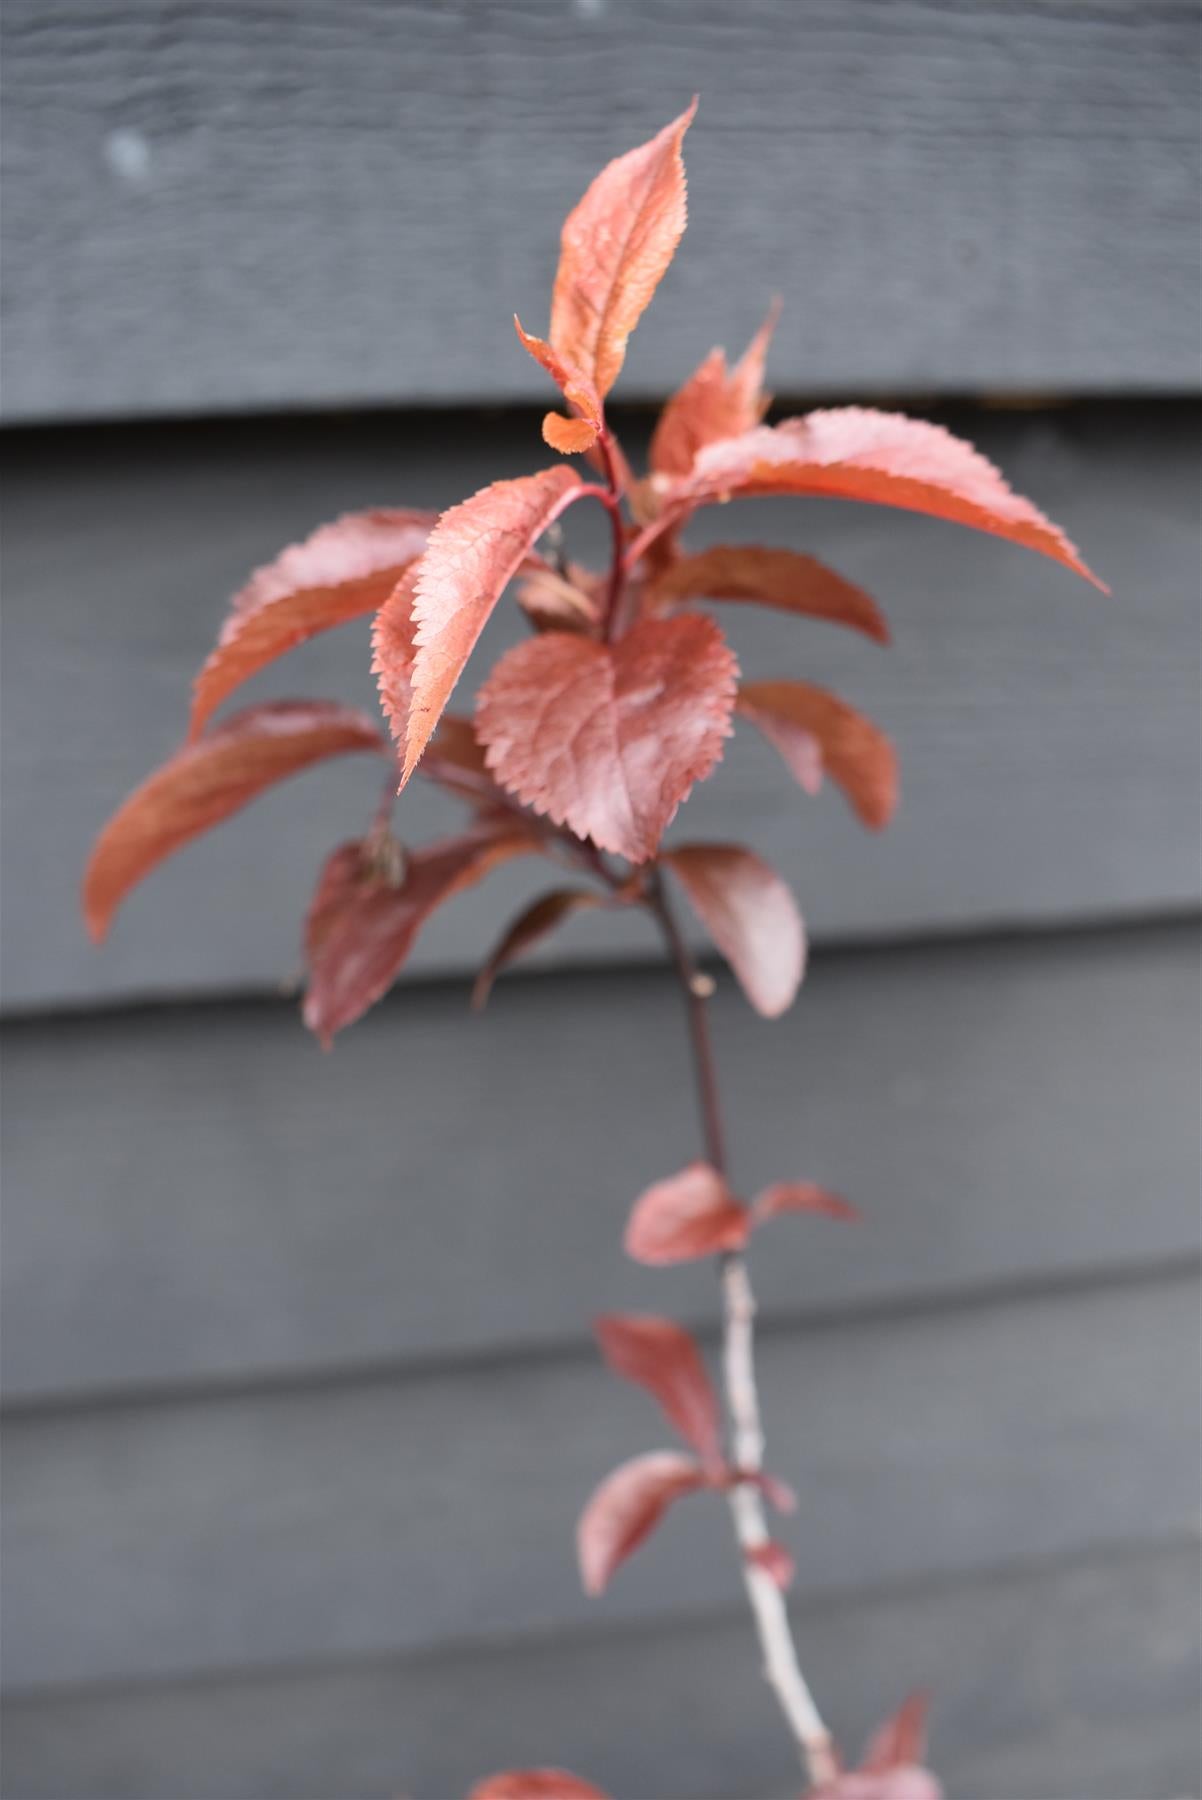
point(752, 917)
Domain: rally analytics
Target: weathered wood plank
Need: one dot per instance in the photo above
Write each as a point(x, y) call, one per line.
point(364, 1517)
point(201, 1196)
point(1074, 1677)
point(273, 204)
point(1048, 736)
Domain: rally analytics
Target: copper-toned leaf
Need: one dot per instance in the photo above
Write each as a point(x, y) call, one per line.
point(575, 434)
point(206, 781)
point(776, 1560)
point(908, 1783)
point(394, 651)
point(782, 579)
point(343, 571)
point(535, 1784)
point(539, 920)
point(363, 922)
point(555, 602)
point(799, 1197)
point(609, 738)
point(473, 551)
point(615, 247)
point(663, 1358)
point(902, 1740)
point(715, 402)
point(855, 752)
point(626, 1508)
point(855, 453)
point(691, 1214)
point(751, 916)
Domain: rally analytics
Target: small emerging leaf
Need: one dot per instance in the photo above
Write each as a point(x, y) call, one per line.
point(776, 1560)
point(626, 1508)
point(902, 1739)
point(751, 916)
point(473, 551)
point(615, 247)
point(713, 403)
point(344, 570)
point(799, 1197)
point(663, 1358)
point(609, 738)
point(538, 921)
point(690, 1214)
point(782, 579)
point(535, 1784)
point(793, 715)
point(567, 435)
point(208, 781)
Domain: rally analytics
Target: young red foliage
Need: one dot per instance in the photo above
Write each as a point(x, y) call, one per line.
point(560, 602)
point(794, 715)
point(608, 739)
point(626, 1507)
point(535, 1784)
point(751, 916)
point(713, 403)
point(782, 579)
point(690, 1214)
point(799, 1197)
point(662, 1357)
point(776, 1560)
point(341, 572)
point(209, 780)
point(902, 1739)
point(573, 434)
point(537, 921)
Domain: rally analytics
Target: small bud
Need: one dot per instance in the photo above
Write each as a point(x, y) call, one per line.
point(703, 986)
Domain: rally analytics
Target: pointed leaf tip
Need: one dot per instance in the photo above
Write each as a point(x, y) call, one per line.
point(855, 753)
point(626, 1507)
point(752, 917)
point(800, 1197)
point(663, 1357)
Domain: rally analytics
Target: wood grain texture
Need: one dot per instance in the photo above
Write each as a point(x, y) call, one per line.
point(1048, 736)
point(279, 204)
point(359, 1517)
point(1054, 1679)
point(201, 1196)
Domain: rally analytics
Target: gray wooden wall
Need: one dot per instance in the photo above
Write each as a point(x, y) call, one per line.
point(299, 1399)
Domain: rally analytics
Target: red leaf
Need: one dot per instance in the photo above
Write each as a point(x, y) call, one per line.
point(690, 1214)
point(207, 781)
point(615, 247)
point(713, 403)
point(535, 1784)
point(626, 1508)
point(778, 578)
point(776, 1560)
point(799, 1196)
point(855, 752)
point(908, 1783)
point(554, 602)
point(751, 916)
point(609, 738)
point(855, 453)
point(574, 434)
point(362, 924)
point(776, 1492)
point(394, 651)
point(539, 919)
point(473, 551)
point(454, 759)
point(902, 1740)
point(662, 1357)
point(342, 571)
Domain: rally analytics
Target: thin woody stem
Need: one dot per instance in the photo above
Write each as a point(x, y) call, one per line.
point(781, 1666)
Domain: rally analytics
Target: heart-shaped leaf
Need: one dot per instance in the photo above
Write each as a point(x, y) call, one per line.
point(751, 916)
point(626, 1508)
point(609, 738)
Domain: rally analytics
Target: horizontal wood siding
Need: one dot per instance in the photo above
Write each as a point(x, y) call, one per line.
point(279, 204)
point(1048, 735)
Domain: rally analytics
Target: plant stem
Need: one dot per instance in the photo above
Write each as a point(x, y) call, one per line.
point(781, 1666)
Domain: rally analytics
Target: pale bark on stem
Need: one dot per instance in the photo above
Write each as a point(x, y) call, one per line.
point(781, 1666)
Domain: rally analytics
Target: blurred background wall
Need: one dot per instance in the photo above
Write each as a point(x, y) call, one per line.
point(300, 1397)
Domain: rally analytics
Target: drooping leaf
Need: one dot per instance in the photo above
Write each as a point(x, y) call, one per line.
point(626, 1508)
point(902, 1740)
point(691, 1214)
point(615, 247)
point(776, 1560)
point(662, 1357)
point(575, 434)
point(363, 921)
point(555, 602)
point(855, 752)
point(751, 916)
point(344, 570)
point(539, 920)
point(782, 579)
point(473, 551)
point(535, 1784)
point(856, 453)
point(609, 738)
point(799, 1197)
point(715, 402)
point(208, 780)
